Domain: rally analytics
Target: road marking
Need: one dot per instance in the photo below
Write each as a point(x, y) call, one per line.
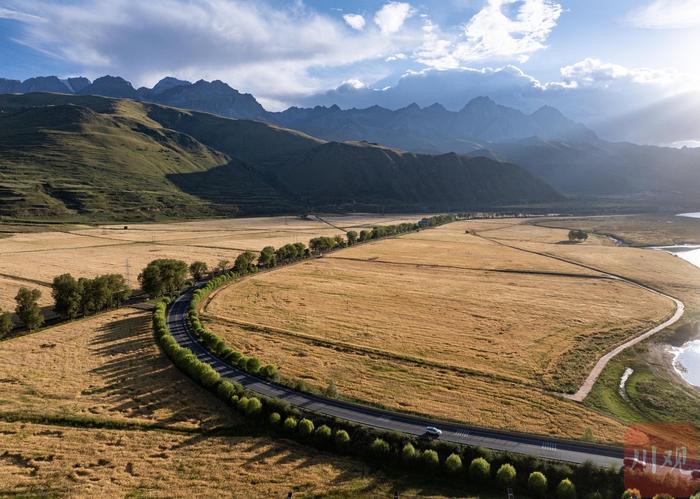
point(549, 446)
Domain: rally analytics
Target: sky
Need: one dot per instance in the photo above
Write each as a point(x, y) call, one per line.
point(286, 52)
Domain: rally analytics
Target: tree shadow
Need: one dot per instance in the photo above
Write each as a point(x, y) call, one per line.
point(141, 382)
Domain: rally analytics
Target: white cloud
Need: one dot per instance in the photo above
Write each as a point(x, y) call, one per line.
point(355, 21)
point(18, 16)
point(255, 47)
point(592, 71)
point(502, 29)
point(667, 14)
point(391, 16)
point(396, 57)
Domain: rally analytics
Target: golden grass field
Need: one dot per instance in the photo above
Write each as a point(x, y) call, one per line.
point(637, 230)
point(108, 369)
point(446, 323)
point(28, 253)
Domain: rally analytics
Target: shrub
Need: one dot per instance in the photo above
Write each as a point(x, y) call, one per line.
point(408, 453)
point(632, 494)
point(268, 371)
point(566, 490)
point(275, 418)
point(506, 475)
point(253, 407)
point(207, 375)
point(479, 470)
point(290, 423)
point(323, 433)
point(331, 390)
point(306, 427)
point(453, 463)
point(380, 448)
point(342, 439)
point(243, 362)
point(253, 365)
point(225, 390)
point(242, 404)
point(537, 484)
point(430, 458)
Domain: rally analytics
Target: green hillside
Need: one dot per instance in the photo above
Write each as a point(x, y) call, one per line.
point(67, 155)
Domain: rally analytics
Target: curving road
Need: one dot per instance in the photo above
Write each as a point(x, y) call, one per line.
point(597, 370)
point(560, 450)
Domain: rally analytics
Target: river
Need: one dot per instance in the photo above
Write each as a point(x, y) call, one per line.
point(686, 358)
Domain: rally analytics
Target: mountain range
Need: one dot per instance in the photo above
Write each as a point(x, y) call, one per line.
point(110, 158)
point(566, 154)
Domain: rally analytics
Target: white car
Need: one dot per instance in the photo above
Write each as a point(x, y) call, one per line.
point(433, 432)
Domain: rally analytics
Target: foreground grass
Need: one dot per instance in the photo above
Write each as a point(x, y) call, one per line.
point(94, 409)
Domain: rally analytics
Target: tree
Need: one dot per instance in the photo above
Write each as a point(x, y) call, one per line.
point(290, 423)
point(244, 262)
point(479, 470)
point(430, 458)
point(566, 490)
point(222, 266)
point(197, 270)
point(453, 463)
point(6, 324)
point(342, 438)
point(163, 277)
point(577, 236)
point(306, 427)
point(267, 257)
point(506, 475)
point(380, 448)
point(537, 484)
point(323, 433)
point(275, 418)
point(67, 294)
point(352, 237)
point(28, 310)
point(408, 453)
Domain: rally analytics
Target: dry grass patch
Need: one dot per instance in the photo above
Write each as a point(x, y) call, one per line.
point(429, 390)
point(9, 288)
point(638, 230)
point(107, 367)
point(53, 461)
point(87, 252)
point(451, 246)
point(540, 330)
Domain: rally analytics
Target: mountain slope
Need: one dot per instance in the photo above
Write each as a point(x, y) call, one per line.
point(111, 158)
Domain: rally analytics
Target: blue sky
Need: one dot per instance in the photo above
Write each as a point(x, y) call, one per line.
point(284, 51)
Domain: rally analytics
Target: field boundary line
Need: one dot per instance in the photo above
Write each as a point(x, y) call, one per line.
point(602, 362)
point(350, 348)
point(474, 269)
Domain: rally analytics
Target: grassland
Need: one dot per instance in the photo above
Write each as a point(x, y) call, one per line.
point(637, 230)
point(94, 409)
point(31, 254)
point(444, 322)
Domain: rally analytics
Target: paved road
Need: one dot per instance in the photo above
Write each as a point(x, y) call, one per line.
point(574, 452)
